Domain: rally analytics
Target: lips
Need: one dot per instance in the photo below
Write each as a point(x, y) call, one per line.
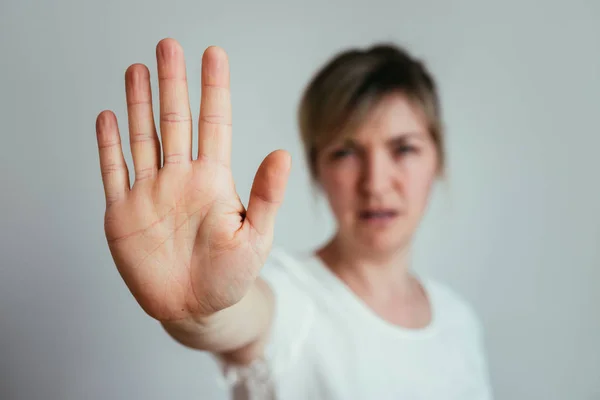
point(377, 214)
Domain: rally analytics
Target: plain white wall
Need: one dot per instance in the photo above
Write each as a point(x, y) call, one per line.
point(516, 228)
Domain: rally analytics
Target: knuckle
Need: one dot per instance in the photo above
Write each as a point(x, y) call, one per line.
point(175, 117)
point(107, 145)
point(145, 174)
point(142, 137)
point(174, 159)
point(111, 169)
point(215, 119)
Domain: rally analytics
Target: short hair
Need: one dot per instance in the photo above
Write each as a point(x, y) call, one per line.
point(341, 94)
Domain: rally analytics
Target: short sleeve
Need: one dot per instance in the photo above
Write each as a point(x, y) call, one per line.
point(461, 319)
point(293, 316)
point(476, 337)
point(481, 355)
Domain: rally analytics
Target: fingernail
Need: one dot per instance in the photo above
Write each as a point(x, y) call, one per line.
point(214, 62)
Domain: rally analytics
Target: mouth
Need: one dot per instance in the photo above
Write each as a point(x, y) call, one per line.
point(377, 215)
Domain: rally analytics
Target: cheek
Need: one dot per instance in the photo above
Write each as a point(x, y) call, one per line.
point(418, 185)
point(339, 185)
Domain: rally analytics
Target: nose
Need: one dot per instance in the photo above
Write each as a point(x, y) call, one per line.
point(376, 174)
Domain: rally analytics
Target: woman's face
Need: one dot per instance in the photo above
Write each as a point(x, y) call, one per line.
point(378, 182)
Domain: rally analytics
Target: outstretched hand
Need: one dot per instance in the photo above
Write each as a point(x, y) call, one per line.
point(180, 236)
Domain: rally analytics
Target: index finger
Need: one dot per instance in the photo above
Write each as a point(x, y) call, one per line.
point(214, 125)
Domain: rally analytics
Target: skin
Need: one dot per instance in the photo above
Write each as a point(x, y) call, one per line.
point(180, 236)
point(190, 251)
point(389, 163)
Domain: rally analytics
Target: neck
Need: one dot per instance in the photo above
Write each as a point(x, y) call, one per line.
point(370, 274)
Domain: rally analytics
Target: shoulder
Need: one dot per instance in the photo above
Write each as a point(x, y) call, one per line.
point(287, 268)
point(452, 309)
point(280, 257)
point(288, 276)
point(293, 309)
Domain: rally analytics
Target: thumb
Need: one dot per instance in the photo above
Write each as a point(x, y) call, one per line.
point(268, 191)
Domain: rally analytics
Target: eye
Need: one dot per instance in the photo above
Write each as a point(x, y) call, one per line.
point(342, 153)
point(404, 149)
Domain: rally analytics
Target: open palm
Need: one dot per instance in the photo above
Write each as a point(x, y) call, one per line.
point(180, 236)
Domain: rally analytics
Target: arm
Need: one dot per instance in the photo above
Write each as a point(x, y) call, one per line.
point(237, 333)
point(189, 251)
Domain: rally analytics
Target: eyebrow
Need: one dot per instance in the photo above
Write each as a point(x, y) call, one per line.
point(395, 140)
point(400, 138)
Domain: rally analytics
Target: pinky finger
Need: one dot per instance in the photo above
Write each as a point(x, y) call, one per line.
point(115, 175)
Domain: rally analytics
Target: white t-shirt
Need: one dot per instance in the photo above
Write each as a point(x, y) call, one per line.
point(327, 344)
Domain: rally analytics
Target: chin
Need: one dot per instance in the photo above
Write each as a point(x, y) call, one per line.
point(383, 242)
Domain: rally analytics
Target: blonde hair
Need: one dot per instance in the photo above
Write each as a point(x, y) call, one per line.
point(341, 94)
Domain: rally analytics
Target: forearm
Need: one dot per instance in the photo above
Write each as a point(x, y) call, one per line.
point(236, 329)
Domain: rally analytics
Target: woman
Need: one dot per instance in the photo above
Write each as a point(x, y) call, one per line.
point(348, 321)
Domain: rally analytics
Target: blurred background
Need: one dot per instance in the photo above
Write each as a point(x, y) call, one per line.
point(515, 228)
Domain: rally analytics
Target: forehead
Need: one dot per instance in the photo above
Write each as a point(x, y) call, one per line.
point(392, 116)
